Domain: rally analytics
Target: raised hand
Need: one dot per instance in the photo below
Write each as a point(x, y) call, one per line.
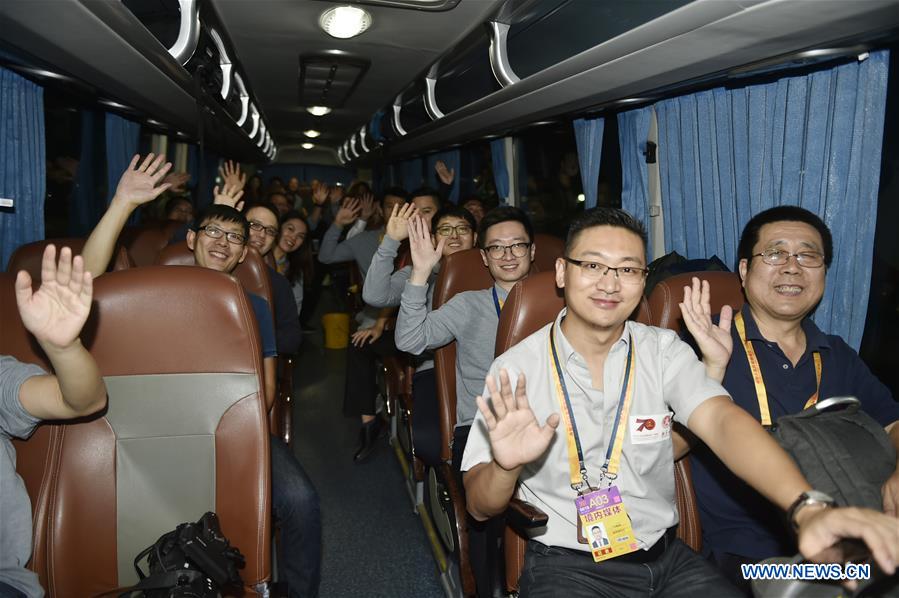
point(348, 212)
point(177, 180)
point(57, 311)
point(424, 255)
point(398, 225)
point(228, 195)
point(715, 342)
point(368, 206)
point(232, 176)
point(516, 438)
point(141, 184)
point(445, 174)
point(320, 194)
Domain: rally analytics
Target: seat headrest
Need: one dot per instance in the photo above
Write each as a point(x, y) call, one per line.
point(725, 289)
point(532, 304)
point(549, 248)
point(132, 330)
point(251, 272)
point(145, 243)
point(460, 272)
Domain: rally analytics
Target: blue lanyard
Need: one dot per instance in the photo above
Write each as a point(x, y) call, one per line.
point(496, 304)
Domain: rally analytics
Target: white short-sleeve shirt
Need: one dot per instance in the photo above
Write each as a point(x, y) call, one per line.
point(670, 381)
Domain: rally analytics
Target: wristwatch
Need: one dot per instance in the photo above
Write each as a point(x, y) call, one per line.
point(812, 497)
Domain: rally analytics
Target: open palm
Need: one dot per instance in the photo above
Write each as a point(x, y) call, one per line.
point(140, 184)
point(424, 255)
point(57, 311)
point(398, 225)
point(714, 341)
point(516, 438)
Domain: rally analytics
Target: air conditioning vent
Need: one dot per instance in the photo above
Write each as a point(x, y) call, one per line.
point(329, 80)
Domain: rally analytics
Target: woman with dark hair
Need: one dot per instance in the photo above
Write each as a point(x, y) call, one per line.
point(293, 256)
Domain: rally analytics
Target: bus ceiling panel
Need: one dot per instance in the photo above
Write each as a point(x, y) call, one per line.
point(400, 46)
point(704, 39)
point(104, 45)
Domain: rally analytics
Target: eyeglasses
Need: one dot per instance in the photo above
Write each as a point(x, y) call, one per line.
point(213, 232)
point(499, 251)
point(460, 229)
point(271, 231)
point(595, 271)
point(779, 257)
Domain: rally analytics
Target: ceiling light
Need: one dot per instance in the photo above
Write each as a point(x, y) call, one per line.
point(312, 133)
point(344, 22)
point(318, 110)
point(581, 197)
point(308, 145)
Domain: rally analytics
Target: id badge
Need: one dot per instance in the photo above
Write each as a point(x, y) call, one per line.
point(603, 524)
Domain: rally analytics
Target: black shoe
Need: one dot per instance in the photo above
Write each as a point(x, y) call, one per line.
point(368, 440)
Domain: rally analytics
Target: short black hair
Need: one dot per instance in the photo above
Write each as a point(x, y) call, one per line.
point(267, 205)
point(603, 216)
point(452, 210)
point(750, 234)
point(173, 202)
point(504, 214)
point(396, 192)
point(225, 214)
point(423, 191)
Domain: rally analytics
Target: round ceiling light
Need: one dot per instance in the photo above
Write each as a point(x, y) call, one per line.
point(312, 133)
point(344, 22)
point(308, 145)
point(318, 110)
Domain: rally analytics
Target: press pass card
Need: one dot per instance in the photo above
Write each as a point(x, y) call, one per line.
point(605, 523)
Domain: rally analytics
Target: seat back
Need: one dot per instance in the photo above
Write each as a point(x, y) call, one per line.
point(184, 432)
point(462, 271)
point(28, 257)
point(145, 242)
point(549, 248)
point(252, 273)
point(36, 458)
point(724, 287)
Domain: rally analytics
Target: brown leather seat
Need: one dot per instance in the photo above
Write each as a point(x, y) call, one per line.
point(462, 271)
point(725, 289)
point(253, 275)
point(36, 458)
point(549, 249)
point(28, 257)
point(184, 432)
point(145, 242)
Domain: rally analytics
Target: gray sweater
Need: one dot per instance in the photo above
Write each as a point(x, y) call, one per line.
point(470, 319)
point(360, 249)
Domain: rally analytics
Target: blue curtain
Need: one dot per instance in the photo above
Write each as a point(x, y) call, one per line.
point(813, 140)
point(89, 193)
point(411, 174)
point(500, 172)
point(122, 138)
point(633, 131)
point(23, 162)
point(588, 136)
point(453, 161)
point(374, 126)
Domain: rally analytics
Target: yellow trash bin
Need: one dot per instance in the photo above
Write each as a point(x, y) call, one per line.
point(337, 330)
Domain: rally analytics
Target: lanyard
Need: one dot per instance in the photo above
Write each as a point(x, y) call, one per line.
point(760, 390)
point(577, 468)
point(497, 303)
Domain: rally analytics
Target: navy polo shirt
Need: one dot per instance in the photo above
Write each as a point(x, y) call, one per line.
point(735, 518)
point(266, 327)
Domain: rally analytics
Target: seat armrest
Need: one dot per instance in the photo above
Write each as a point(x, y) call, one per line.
point(521, 515)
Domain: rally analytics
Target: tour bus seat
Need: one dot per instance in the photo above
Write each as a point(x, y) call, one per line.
point(35, 457)
point(145, 242)
point(184, 432)
point(549, 248)
point(28, 257)
point(252, 273)
point(725, 289)
point(462, 271)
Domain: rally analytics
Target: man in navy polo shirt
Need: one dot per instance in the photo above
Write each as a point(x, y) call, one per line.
point(783, 255)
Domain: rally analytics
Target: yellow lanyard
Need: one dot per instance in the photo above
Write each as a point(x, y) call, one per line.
point(760, 391)
point(577, 468)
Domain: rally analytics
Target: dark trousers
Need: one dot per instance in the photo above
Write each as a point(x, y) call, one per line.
point(426, 437)
point(728, 565)
point(361, 390)
point(483, 536)
point(550, 572)
point(295, 506)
